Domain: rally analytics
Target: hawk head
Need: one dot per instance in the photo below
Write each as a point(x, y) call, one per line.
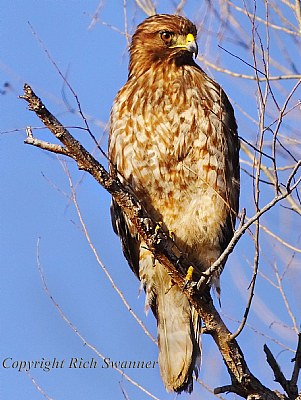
point(162, 38)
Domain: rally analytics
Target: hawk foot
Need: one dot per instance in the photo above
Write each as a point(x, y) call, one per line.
point(171, 234)
point(188, 278)
point(158, 226)
point(189, 274)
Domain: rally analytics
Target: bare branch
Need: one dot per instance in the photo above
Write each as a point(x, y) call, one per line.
point(279, 377)
point(54, 148)
point(297, 365)
point(290, 387)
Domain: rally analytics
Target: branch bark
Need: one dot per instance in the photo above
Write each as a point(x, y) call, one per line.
point(243, 382)
point(290, 386)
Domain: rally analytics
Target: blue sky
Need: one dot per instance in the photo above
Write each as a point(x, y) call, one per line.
point(36, 206)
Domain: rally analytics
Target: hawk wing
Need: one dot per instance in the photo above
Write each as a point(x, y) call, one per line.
point(129, 241)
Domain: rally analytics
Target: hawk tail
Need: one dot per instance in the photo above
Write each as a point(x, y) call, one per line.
point(178, 338)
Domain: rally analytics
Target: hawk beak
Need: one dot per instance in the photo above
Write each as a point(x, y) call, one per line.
point(191, 44)
point(188, 44)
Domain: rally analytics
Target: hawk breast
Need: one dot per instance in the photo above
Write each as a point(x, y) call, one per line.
point(170, 143)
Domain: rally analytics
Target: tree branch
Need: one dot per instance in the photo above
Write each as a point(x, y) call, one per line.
point(54, 148)
point(290, 386)
point(297, 365)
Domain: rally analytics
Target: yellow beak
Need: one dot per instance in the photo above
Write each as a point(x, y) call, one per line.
point(190, 44)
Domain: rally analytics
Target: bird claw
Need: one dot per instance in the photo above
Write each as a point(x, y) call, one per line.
point(189, 273)
point(158, 226)
point(171, 234)
point(157, 234)
point(188, 277)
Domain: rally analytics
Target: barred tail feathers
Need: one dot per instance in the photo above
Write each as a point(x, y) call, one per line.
point(178, 331)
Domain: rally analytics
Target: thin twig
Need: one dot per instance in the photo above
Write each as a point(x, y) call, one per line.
point(248, 307)
point(95, 16)
point(279, 239)
point(38, 387)
point(54, 148)
point(285, 299)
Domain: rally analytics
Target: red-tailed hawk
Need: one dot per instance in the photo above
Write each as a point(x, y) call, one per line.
point(173, 139)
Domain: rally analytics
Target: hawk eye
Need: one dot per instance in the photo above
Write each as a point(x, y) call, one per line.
point(167, 36)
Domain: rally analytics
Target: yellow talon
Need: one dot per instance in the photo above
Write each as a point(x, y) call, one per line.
point(171, 234)
point(189, 274)
point(158, 226)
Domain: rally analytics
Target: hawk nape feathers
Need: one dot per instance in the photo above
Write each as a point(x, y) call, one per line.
point(173, 140)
